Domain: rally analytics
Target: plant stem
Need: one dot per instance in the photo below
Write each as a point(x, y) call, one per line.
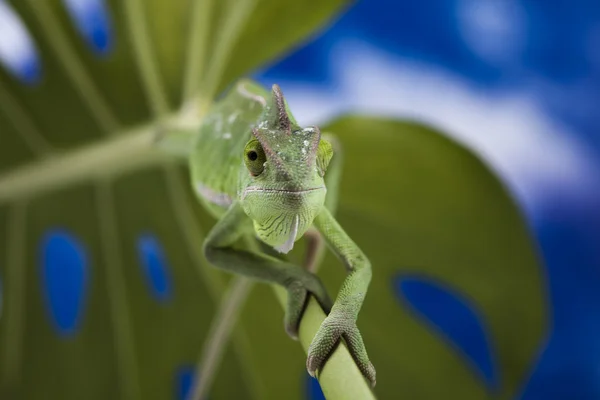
point(218, 336)
point(340, 379)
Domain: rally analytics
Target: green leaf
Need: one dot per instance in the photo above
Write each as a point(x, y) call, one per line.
point(76, 156)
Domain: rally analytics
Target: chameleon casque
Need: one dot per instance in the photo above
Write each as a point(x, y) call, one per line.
point(263, 176)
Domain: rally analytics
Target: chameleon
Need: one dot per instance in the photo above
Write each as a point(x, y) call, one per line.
point(265, 178)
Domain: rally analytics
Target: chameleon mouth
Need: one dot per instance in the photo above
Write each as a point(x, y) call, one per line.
point(254, 189)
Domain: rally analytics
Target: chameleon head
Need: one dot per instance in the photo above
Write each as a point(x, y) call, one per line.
point(282, 188)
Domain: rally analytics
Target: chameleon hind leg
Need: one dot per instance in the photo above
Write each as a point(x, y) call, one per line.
point(220, 251)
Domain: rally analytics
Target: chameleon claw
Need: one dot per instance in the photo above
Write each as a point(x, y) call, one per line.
point(311, 367)
point(292, 333)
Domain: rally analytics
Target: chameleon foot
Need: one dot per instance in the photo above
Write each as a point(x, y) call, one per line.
point(298, 292)
point(333, 328)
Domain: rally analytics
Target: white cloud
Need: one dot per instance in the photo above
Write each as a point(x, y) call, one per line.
point(493, 29)
point(538, 158)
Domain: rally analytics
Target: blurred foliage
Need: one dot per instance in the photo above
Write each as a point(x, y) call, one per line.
point(417, 203)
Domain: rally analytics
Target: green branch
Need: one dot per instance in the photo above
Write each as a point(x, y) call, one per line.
point(340, 379)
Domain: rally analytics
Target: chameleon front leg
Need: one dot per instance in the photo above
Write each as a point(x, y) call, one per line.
point(341, 321)
point(220, 252)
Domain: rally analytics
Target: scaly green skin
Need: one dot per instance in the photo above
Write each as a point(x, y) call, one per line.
point(262, 175)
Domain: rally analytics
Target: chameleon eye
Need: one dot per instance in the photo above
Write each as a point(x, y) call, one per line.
point(254, 157)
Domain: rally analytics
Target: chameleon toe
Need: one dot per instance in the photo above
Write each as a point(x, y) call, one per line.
point(322, 345)
point(358, 351)
point(311, 366)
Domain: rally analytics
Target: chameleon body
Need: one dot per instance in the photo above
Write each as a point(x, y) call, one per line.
point(264, 177)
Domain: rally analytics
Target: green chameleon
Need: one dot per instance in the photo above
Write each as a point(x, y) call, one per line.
point(261, 175)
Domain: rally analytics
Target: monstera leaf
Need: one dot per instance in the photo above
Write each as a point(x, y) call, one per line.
point(105, 293)
point(456, 307)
